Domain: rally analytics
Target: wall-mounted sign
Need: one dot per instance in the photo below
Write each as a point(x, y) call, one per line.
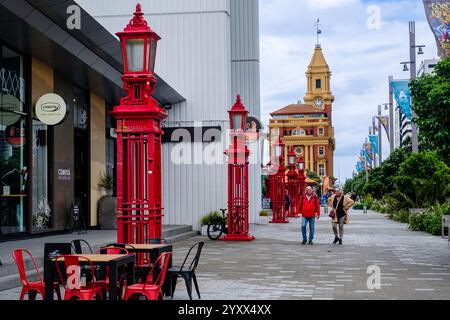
point(51, 109)
point(9, 106)
point(64, 174)
point(254, 127)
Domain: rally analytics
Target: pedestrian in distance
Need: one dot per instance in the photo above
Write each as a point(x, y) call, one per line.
point(340, 204)
point(287, 201)
point(309, 208)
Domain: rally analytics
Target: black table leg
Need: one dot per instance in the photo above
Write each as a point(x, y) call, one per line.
point(130, 273)
point(48, 278)
point(113, 271)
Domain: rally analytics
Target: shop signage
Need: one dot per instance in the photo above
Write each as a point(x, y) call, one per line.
point(64, 174)
point(266, 203)
point(51, 109)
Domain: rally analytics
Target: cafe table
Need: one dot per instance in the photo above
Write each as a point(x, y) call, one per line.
point(154, 250)
point(113, 261)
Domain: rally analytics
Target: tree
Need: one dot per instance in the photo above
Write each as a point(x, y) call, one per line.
point(431, 103)
point(423, 180)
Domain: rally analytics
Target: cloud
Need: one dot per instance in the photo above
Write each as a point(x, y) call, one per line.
point(361, 60)
point(326, 4)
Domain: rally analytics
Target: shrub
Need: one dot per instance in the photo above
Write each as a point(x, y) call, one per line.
point(210, 217)
point(358, 206)
point(264, 213)
point(401, 216)
point(430, 220)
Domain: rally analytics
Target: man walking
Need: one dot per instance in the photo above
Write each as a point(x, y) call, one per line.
point(309, 208)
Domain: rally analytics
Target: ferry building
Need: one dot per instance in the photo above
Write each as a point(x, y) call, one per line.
point(307, 127)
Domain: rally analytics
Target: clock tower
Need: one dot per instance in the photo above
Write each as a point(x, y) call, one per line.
point(318, 77)
point(307, 127)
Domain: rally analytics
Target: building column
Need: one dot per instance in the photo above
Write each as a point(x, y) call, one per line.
point(311, 156)
point(98, 152)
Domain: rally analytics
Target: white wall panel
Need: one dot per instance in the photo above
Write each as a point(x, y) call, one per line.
point(195, 58)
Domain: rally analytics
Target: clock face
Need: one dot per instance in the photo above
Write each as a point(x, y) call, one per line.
point(318, 102)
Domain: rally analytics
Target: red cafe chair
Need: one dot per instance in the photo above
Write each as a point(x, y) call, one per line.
point(152, 290)
point(86, 292)
point(31, 288)
point(104, 283)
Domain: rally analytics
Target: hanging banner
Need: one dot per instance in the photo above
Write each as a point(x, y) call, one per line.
point(438, 15)
point(367, 157)
point(359, 167)
point(402, 95)
point(384, 120)
point(374, 142)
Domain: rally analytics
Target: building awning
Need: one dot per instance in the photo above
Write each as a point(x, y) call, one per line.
point(90, 56)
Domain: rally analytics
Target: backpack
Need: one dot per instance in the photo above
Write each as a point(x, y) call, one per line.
point(314, 197)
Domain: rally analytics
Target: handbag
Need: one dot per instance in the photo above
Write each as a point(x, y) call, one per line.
point(332, 214)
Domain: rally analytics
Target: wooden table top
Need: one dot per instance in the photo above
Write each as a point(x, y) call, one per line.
point(146, 246)
point(103, 258)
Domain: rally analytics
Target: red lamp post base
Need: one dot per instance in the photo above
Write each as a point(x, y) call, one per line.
point(237, 237)
point(279, 221)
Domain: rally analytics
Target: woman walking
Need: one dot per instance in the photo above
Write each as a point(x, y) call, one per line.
point(341, 204)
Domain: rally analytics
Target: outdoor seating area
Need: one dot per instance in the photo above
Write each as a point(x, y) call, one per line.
point(117, 271)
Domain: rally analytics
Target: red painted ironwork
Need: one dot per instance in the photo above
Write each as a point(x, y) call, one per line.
point(278, 184)
point(238, 225)
point(301, 177)
point(138, 117)
point(292, 184)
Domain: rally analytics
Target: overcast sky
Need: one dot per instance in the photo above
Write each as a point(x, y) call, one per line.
point(361, 59)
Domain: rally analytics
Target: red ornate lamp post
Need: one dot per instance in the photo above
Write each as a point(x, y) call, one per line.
point(293, 184)
point(238, 226)
point(139, 196)
point(301, 176)
point(278, 185)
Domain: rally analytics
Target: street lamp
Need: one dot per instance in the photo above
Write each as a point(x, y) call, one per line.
point(238, 225)
point(138, 117)
point(278, 185)
point(293, 185)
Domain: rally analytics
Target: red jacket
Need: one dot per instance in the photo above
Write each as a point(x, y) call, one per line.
point(309, 209)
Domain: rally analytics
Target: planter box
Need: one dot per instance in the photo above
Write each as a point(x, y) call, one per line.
point(264, 220)
point(107, 208)
point(204, 231)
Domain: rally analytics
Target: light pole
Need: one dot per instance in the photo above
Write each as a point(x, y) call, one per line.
point(380, 138)
point(293, 183)
point(301, 175)
point(413, 75)
point(278, 184)
point(238, 226)
point(138, 117)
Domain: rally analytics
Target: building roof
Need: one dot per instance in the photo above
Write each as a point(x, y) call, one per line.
point(318, 60)
point(297, 109)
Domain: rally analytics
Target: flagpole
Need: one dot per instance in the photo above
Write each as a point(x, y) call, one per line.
point(380, 140)
point(391, 114)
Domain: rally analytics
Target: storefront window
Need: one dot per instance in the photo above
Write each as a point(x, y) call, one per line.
point(41, 213)
point(13, 158)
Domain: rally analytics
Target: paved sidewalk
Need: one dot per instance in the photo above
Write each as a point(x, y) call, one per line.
point(414, 265)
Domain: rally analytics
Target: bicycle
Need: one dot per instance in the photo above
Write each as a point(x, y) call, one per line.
point(218, 226)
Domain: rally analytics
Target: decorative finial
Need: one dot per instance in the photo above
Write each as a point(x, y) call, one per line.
point(138, 22)
point(238, 105)
point(319, 32)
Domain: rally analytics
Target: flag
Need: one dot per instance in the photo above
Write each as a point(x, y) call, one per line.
point(374, 142)
point(438, 15)
point(360, 166)
point(367, 157)
point(402, 95)
point(384, 120)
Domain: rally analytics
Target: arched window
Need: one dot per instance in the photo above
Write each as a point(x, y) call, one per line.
point(299, 132)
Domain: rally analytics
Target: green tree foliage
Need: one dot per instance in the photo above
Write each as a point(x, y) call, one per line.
point(431, 103)
point(423, 180)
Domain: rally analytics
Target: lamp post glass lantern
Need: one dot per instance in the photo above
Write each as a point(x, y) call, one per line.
point(138, 45)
